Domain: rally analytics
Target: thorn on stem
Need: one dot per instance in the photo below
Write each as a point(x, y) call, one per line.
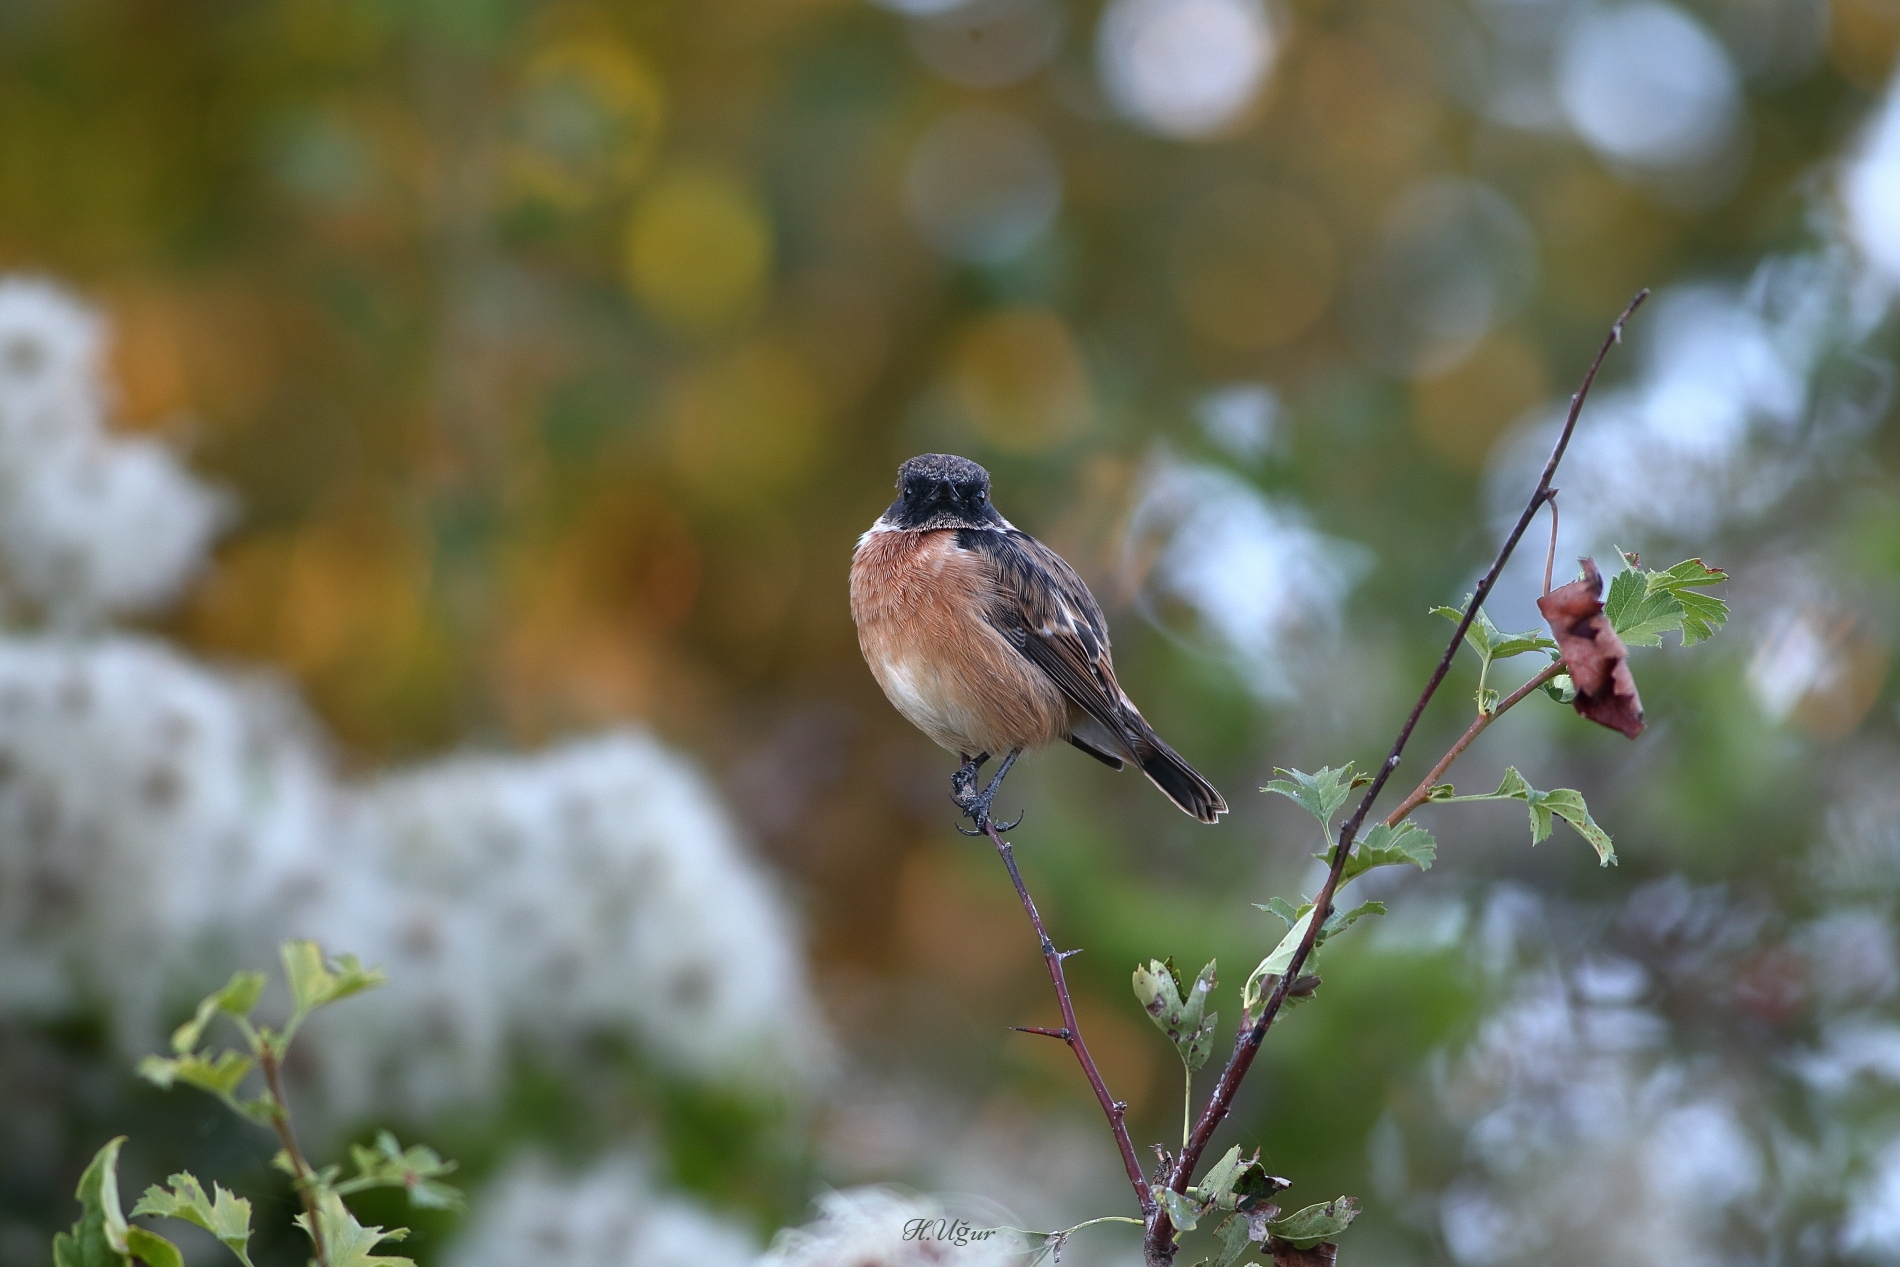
point(1068, 954)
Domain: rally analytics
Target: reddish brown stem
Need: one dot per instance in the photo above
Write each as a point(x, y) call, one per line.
point(1423, 791)
point(301, 1177)
point(1071, 1033)
point(1159, 1245)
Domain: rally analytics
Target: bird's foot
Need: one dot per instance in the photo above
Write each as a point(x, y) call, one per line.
point(976, 805)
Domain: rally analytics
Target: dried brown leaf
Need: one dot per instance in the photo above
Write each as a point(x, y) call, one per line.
point(1596, 659)
point(1287, 1254)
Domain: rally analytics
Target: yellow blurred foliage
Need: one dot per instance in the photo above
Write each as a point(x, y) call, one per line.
point(748, 421)
point(699, 248)
point(587, 120)
point(1253, 267)
point(1019, 378)
point(1460, 414)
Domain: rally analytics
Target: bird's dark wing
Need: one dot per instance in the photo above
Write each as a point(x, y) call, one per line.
point(1046, 611)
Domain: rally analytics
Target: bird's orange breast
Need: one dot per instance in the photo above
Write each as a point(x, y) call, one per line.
point(919, 603)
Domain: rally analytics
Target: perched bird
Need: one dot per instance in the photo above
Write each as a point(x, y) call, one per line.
point(989, 643)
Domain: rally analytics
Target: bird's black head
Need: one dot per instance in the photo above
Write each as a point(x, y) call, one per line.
point(938, 490)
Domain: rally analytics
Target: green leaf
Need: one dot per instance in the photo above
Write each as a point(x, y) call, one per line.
point(1565, 803)
point(1281, 958)
point(1643, 606)
point(152, 1249)
point(314, 983)
point(1385, 846)
point(101, 1237)
point(1234, 1240)
point(225, 1216)
point(1220, 1178)
point(1702, 614)
point(1639, 616)
point(220, 1077)
point(417, 1170)
point(1319, 794)
point(1307, 1228)
point(1288, 913)
point(347, 1242)
point(101, 1221)
point(237, 998)
point(1184, 1212)
point(1177, 1010)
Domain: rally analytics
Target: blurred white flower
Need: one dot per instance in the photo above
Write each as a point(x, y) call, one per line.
point(607, 1216)
point(1184, 68)
point(1267, 586)
point(1645, 85)
point(880, 1227)
point(90, 525)
point(107, 526)
point(51, 348)
point(145, 804)
point(1870, 190)
point(1586, 1147)
point(597, 887)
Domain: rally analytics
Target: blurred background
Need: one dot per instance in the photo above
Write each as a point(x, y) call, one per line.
point(432, 441)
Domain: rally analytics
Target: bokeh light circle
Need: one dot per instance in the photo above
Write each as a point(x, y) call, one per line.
point(1184, 68)
point(1454, 258)
point(1644, 84)
point(982, 185)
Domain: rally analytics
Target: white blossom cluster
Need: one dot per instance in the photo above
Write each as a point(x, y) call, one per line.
point(1590, 1136)
point(91, 524)
point(610, 1215)
point(162, 822)
point(881, 1227)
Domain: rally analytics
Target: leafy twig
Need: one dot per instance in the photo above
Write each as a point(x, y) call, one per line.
point(1160, 1240)
point(1423, 791)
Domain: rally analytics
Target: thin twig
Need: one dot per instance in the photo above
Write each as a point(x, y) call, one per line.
point(1550, 558)
point(303, 1180)
point(1247, 1043)
point(1071, 1033)
point(1423, 791)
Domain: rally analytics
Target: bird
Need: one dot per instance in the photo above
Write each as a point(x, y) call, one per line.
point(987, 641)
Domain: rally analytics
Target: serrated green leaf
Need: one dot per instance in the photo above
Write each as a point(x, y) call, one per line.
point(1385, 846)
point(1184, 1212)
point(1565, 803)
point(220, 1077)
point(347, 1242)
point(225, 1216)
point(1177, 1011)
point(1639, 615)
point(1342, 920)
point(1307, 1228)
point(1319, 794)
point(314, 983)
point(1489, 641)
point(1702, 614)
point(417, 1170)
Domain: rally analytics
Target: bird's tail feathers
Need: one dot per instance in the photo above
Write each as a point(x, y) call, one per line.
point(1178, 780)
